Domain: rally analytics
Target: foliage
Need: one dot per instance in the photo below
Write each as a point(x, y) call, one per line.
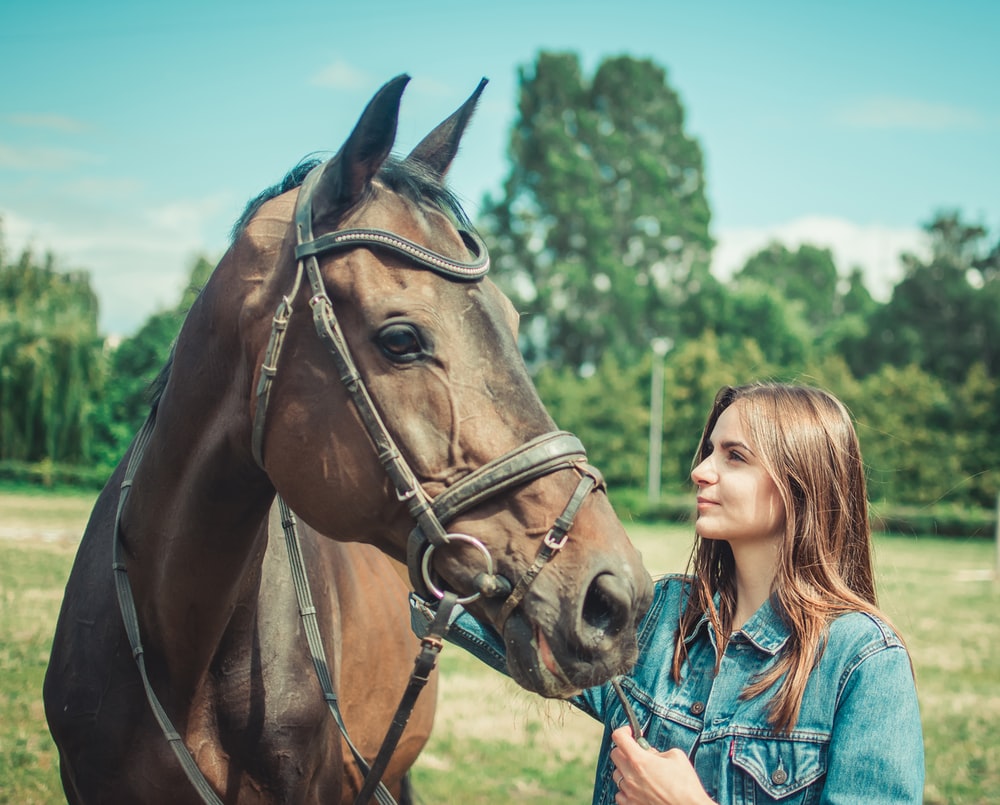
point(606, 410)
point(602, 227)
point(976, 436)
point(944, 316)
point(135, 364)
point(806, 277)
point(903, 417)
point(52, 363)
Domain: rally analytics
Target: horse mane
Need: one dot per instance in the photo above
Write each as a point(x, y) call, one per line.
point(410, 179)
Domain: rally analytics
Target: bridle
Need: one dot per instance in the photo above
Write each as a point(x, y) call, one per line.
point(542, 455)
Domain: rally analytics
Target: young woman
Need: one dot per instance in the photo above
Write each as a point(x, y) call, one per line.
point(768, 674)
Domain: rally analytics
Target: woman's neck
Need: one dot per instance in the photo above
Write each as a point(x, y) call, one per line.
point(756, 566)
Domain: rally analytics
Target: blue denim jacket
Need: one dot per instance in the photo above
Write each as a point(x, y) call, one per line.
point(858, 738)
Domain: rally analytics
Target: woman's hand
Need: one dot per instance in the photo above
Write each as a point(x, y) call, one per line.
point(647, 777)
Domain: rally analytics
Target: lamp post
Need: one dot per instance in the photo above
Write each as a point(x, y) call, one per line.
point(660, 347)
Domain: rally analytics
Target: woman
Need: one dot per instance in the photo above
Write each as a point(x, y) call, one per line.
point(768, 674)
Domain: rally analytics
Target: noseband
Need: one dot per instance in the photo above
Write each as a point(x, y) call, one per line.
point(540, 456)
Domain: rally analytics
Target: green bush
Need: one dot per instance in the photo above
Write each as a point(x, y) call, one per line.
point(940, 520)
point(52, 475)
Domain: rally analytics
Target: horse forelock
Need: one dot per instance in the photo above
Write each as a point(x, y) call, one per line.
point(409, 179)
point(418, 184)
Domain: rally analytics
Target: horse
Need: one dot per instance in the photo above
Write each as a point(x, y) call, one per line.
point(395, 424)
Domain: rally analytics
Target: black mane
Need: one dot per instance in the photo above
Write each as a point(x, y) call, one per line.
point(409, 179)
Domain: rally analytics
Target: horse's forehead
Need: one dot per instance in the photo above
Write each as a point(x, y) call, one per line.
point(424, 224)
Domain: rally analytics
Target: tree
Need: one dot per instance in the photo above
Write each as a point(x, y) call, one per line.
point(607, 410)
point(906, 424)
point(695, 371)
point(51, 360)
point(135, 364)
point(944, 315)
point(976, 437)
point(806, 277)
point(757, 311)
point(601, 232)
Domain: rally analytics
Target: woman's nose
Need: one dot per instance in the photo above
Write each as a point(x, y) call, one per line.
point(703, 474)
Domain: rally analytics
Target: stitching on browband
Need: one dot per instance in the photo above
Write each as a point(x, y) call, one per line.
point(378, 237)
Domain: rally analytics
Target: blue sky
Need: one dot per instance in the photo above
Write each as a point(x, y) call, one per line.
point(132, 134)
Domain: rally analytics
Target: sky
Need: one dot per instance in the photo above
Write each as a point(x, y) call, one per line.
point(133, 134)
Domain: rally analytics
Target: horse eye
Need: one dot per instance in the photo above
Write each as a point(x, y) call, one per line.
point(401, 342)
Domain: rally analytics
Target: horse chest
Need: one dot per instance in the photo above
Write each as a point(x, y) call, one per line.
point(266, 702)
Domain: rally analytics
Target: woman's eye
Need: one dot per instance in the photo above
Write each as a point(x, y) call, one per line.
point(401, 342)
point(734, 456)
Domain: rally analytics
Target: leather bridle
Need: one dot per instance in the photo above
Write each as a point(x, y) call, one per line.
point(542, 455)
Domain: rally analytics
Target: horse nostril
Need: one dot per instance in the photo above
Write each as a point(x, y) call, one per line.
point(605, 607)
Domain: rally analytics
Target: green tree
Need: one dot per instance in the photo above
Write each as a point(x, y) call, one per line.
point(977, 437)
point(757, 311)
point(135, 364)
point(806, 277)
point(906, 424)
point(695, 372)
point(607, 410)
point(51, 360)
point(601, 231)
point(944, 315)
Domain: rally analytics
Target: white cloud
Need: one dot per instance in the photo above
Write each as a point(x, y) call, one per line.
point(875, 249)
point(189, 215)
point(138, 263)
point(43, 158)
point(341, 75)
point(61, 123)
point(884, 112)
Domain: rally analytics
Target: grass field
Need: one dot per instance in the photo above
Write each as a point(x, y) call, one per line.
point(494, 743)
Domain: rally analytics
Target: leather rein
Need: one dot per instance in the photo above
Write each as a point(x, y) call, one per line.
point(545, 454)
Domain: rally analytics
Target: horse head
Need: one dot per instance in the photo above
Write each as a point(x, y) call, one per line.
point(392, 406)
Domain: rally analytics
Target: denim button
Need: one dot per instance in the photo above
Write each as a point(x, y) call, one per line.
point(779, 776)
point(697, 708)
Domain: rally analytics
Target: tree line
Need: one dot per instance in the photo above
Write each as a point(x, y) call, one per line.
point(601, 236)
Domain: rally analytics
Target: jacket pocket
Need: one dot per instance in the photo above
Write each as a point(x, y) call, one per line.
point(785, 770)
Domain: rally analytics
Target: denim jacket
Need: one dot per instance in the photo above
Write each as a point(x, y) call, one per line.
point(858, 738)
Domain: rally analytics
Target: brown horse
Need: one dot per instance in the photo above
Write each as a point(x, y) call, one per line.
point(401, 399)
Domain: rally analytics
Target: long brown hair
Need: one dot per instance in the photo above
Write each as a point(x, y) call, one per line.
point(807, 443)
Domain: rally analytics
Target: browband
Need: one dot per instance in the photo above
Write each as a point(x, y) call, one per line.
point(446, 267)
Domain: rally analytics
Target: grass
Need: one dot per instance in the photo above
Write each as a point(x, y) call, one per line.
point(493, 742)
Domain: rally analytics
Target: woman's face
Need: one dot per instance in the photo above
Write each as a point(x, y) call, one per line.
point(737, 500)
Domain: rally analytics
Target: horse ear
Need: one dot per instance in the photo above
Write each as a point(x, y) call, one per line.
point(437, 150)
point(346, 176)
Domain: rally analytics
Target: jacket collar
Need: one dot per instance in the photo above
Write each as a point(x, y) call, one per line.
point(765, 629)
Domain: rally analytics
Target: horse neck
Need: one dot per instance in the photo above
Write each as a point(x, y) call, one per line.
point(195, 526)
